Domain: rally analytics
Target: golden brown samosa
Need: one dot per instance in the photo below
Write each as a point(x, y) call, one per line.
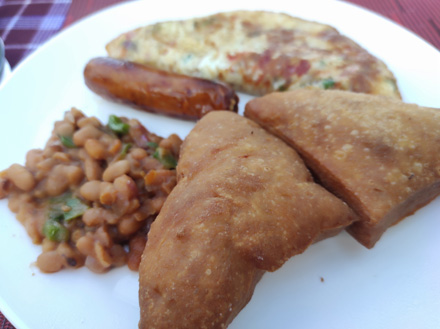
point(244, 204)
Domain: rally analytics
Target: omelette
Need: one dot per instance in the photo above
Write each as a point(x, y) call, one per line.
point(257, 52)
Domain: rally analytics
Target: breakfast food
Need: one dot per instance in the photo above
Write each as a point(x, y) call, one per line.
point(90, 195)
point(257, 52)
point(157, 91)
point(378, 154)
point(244, 204)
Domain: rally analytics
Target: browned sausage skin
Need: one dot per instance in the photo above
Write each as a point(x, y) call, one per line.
point(157, 91)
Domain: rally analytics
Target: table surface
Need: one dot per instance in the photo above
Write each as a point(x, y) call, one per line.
point(419, 16)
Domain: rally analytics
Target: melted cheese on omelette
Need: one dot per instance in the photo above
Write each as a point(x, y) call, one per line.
point(257, 52)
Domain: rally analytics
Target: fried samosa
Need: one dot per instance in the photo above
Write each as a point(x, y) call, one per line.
point(379, 155)
point(244, 204)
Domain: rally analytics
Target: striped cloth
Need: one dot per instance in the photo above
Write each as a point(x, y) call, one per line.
point(26, 24)
point(5, 324)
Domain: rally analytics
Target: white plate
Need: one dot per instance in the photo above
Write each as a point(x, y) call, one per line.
point(335, 284)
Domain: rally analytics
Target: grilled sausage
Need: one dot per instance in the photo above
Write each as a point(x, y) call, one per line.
point(157, 91)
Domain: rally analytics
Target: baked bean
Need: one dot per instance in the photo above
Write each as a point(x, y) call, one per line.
point(76, 235)
point(71, 256)
point(14, 203)
point(61, 157)
point(103, 237)
point(128, 225)
point(61, 177)
point(92, 169)
point(91, 190)
point(44, 167)
point(111, 217)
point(50, 261)
point(95, 149)
point(22, 210)
point(102, 256)
point(52, 148)
point(169, 184)
point(157, 203)
point(159, 177)
point(133, 205)
point(138, 153)
point(88, 121)
point(115, 147)
point(153, 206)
point(21, 177)
point(172, 143)
point(126, 186)
point(85, 245)
point(32, 229)
point(107, 140)
point(5, 187)
point(81, 136)
point(94, 216)
point(140, 135)
point(33, 158)
point(57, 182)
point(136, 246)
point(74, 115)
point(115, 170)
point(74, 174)
point(64, 128)
point(150, 163)
point(140, 214)
point(107, 193)
point(95, 266)
point(118, 255)
point(49, 245)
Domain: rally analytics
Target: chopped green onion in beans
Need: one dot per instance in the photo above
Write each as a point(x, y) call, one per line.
point(57, 215)
point(67, 142)
point(124, 151)
point(328, 83)
point(152, 145)
point(66, 207)
point(167, 160)
point(117, 126)
point(55, 231)
point(75, 208)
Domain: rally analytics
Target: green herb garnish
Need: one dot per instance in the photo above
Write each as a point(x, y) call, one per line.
point(67, 142)
point(62, 209)
point(117, 126)
point(66, 207)
point(55, 231)
point(77, 208)
point(165, 158)
point(152, 145)
point(124, 151)
point(328, 83)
